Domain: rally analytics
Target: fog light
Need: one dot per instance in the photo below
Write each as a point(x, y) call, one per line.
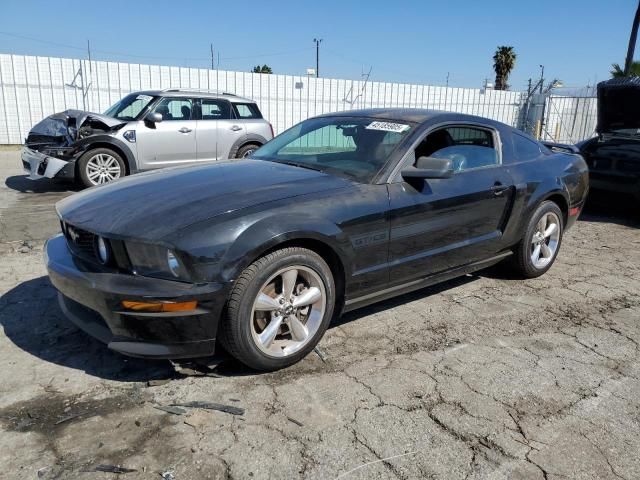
point(159, 306)
point(103, 251)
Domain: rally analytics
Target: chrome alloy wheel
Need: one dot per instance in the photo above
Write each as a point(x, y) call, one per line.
point(545, 240)
point(102, 168)
point(249, 152)
point(288, 311)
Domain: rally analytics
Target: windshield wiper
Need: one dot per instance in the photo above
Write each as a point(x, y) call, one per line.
point(299, 164)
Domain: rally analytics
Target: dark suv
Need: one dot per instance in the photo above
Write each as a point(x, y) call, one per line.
point(614, 155)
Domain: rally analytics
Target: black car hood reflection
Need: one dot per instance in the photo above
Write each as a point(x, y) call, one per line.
point(155, 204)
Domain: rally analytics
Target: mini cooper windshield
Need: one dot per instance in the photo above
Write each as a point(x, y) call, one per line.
point(354, 147)
point(130, 107)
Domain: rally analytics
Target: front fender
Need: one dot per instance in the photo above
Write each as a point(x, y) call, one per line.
point(269, 232)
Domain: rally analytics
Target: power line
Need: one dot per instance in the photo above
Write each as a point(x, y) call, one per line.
point(156, 57)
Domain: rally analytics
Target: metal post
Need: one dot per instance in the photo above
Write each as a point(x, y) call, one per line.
point(317, 42)
point(541, 77)
point(632, 42)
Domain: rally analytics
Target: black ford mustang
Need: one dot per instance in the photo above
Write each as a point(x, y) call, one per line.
point(340, 211)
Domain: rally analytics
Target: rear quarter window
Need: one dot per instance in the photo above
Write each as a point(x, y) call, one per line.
point(247, 110)
point(524, 148)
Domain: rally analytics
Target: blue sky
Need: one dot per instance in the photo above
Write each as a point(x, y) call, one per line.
point(401, 41)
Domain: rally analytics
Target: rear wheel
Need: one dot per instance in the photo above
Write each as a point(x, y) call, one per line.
point(279, 308)
point(539, 247)
point(100, 166)
point(246, 151)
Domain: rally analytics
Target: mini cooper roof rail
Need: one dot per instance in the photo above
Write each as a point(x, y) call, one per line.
point(199, 90)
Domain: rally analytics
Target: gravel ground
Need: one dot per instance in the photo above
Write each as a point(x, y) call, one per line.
point(483, 377)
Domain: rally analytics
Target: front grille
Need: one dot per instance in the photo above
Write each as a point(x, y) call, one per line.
point(81, 242)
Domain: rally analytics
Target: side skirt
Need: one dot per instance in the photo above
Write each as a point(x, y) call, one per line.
point(359, 302)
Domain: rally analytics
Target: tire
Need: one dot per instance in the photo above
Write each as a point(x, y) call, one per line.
point(525, 252)
point(247, 150)
point(244, 331)
point(108, 164)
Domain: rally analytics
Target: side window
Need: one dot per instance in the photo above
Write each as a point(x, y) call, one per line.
point(175, 109)
point(524, 148)
point(247, 110)
point(213, 109)
point(466, 147)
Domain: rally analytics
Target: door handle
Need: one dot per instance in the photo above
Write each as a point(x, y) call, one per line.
point(236, 128)
point(184, 130)
point(498, 189)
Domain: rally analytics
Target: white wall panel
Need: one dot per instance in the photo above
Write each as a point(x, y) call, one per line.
point(34, 87)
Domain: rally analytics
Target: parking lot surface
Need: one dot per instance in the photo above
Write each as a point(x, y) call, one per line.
point(486, 376)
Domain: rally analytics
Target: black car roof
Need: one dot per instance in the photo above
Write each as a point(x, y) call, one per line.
point(415, 115)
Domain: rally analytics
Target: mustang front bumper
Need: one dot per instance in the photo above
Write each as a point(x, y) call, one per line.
point(93, 301)
point(38, 165)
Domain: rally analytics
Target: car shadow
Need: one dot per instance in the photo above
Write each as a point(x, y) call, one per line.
point(611, 207)
point(407, 297)
point(21, 183)
point(33, 321)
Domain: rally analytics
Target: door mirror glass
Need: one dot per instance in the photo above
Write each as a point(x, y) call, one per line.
point(429, 167)
point(154, 117)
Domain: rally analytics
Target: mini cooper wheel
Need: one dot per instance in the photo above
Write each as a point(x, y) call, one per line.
point(279, 308)
point(100, 166)
point(538, 249)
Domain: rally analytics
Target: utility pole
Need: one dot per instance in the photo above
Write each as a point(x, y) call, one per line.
point(317, 42)
point(541, 77)
point(632, 42)
point(212, 66)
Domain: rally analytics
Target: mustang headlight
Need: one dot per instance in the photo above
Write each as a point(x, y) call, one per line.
point(103, 250)
point(155, 261)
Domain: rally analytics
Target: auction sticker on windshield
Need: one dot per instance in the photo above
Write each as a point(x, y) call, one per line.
point(146, 98)
point(388, 127)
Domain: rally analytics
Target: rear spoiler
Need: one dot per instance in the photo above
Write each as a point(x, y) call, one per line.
point(561, 147)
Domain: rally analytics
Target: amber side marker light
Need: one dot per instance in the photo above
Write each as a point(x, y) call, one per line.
point(159, 306)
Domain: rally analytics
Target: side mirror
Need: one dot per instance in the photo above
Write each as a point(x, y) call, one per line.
point(153, 117)
point(429, 167)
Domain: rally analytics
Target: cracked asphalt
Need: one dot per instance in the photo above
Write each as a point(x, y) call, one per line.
point(486, 376)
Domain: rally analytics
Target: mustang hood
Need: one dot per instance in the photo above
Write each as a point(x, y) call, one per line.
point(618, 104)
point(151, 205)
point(64, 128)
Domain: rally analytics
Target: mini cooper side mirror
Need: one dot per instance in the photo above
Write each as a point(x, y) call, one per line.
point(154, 117)
point(429, 167)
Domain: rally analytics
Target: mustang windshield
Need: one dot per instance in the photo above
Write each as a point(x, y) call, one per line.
point(356, 147)
point(130, 107)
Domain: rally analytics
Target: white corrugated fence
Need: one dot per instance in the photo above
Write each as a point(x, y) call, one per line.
point(34, 87)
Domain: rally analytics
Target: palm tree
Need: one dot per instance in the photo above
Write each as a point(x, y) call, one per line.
point(262, 69)
point(503, 62)
point(617, 71)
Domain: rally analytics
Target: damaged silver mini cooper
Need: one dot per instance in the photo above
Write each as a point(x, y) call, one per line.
point(143, 131)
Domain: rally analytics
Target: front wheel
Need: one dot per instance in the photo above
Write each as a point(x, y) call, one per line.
point(539, 247)
point(279, 308)
point(100, 166)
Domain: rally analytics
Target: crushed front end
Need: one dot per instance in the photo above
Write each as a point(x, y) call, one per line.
point(54, 144)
